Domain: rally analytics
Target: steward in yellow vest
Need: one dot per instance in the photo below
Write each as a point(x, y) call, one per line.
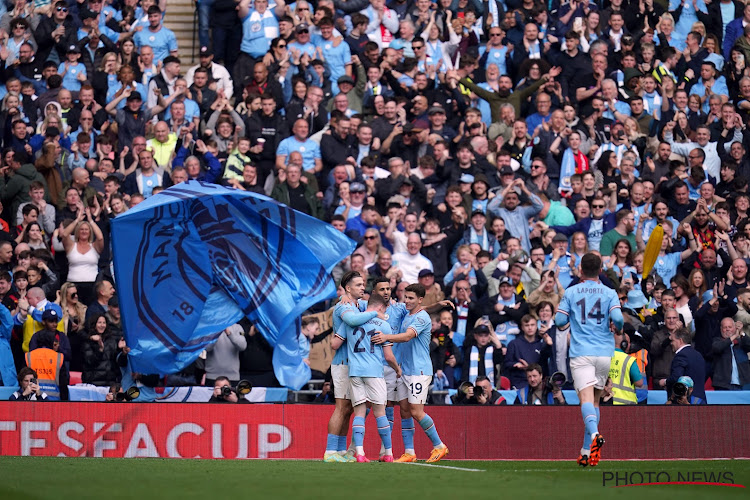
point(624, 373)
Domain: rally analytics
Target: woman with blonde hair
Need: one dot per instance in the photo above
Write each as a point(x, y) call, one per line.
point(635, 135)
point(83, 250)
point(579, 246)
point(74, 321)
point(666, 35)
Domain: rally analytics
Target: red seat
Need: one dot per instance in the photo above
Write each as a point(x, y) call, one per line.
point(709, 386)
point(75, 378)
point(504, 383)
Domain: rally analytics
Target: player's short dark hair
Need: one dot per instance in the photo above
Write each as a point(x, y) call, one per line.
point(348, 276)
point(417, 289)
point(591, 265)
point(380, 279)
point(376, 300)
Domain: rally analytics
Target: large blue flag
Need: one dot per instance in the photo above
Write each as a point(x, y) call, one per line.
point(198, 257)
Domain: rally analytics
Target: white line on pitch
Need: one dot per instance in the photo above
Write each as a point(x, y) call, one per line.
point(446, 467)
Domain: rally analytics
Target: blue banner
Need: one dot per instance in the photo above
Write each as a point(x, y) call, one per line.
point(198, 257)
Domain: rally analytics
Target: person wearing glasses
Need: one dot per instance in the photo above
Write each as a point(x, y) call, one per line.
point(54, 33)
point(594, 226)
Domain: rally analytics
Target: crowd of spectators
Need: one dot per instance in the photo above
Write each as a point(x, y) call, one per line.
point(478, 147)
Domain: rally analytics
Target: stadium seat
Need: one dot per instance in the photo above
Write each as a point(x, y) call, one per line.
point(709, 386)
point(75, 378)
point(504, 383)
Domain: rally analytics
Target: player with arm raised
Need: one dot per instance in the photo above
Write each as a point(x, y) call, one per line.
point(366, 374)
point(587, 309)
point(417, 374)
point(338, 426)
point(394, 315)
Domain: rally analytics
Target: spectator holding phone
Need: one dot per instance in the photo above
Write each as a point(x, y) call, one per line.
point(30, 390)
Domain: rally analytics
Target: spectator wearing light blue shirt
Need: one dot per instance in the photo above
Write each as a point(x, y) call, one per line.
point(709, 85)
point(337, 55)
point(73, 72)
point(312, 161)
point(156, 36)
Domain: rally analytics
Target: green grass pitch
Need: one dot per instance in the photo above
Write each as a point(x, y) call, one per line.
point(162, 479)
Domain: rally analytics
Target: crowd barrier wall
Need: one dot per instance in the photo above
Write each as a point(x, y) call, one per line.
point(298, 431)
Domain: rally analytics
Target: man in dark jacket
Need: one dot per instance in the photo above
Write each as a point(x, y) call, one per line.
point(266, 128)
point(687, 361)
point(56, 32)
point(337, 148)
point(299, 195)
point(14, 190)
point(731, 366)
point(526, 350)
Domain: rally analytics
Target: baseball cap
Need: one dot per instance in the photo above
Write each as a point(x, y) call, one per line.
point(478, 212)
point(506, 170)
point(345, 79)
point(504, 280)
point(135, 96)
point(206, 52)
point(425, 272)
point(114, 302)
point(434, 110)
point(74, 48)
point(408, 127)
point(50, 314)
point(397, 44)
point(407, 181)
point(87, 14)
point(481, 329)
point(302, 27)
point(357, 187)
point(466, 179)
point(686, 381)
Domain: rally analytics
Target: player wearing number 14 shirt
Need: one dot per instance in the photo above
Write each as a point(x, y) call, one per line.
point(416, 333)
point(587, 308)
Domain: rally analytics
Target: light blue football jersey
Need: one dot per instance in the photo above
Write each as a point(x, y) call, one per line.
point(588, 306)
point(415, 354)
point(365, 357)
point(340, 358)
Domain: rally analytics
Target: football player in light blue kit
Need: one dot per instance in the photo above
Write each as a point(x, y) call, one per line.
point(416, 334)
point(395, 315)
point(366, 374)
point(587, 309)
point(353, 289)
